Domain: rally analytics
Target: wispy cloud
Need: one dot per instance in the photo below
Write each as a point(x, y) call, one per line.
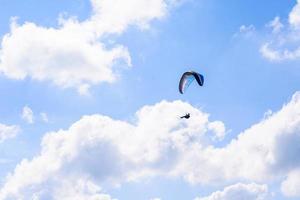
point(44, 117)
point(27, 115)
point(8, 131)
point(276, 25)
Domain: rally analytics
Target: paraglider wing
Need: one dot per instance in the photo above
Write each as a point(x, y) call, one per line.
point(187, 78)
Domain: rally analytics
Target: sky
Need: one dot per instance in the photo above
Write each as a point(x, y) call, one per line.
point(90, 107)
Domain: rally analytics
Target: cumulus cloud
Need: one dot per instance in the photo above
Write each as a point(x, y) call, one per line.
point(27, 115)
point(7, 131)
point(265, 151)
point(219, 128)
point(74, 54)
point(79, 189)
point(240, 191)
point(294, 16)
point(284, 43)
point(290, 186)
point(102, 150)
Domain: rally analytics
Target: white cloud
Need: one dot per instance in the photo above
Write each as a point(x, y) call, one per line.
point(276, 25)
point(294, 16)
point(269, 53)
point(79, 190)
point(114, 16)
point(265, 151)
point(219, 128)
point(240, 191)
point(74, 54)
point(27, 115)
point(284, 44)
point(274, 54)
point(291, 186)
point(247, 29)
point(267, 114)
point(84, 90)
point(101, 150)
point(7, 132)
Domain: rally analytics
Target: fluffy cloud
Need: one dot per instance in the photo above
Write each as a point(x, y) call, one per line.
point(101, 150)
point(265, 151)
point(74, 54)
point(294, 16)
point(219, 128)
point(27, 115)
point(290, 187)
point(98, 150)
point(240, 191)
point(283, 41)
point(7, 132)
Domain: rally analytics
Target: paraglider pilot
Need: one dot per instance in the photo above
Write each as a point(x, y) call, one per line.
point(186, 116)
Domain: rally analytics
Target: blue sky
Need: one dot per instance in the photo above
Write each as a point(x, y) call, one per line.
point(89, 95)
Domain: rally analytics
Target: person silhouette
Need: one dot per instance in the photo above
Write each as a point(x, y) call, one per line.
point(186, 116)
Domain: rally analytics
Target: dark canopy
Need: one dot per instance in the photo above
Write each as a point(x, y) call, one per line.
point(187, 78)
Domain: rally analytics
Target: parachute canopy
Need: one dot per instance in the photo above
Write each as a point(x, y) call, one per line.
point(187, 78)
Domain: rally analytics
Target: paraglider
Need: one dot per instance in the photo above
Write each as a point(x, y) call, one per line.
point(187, 78)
